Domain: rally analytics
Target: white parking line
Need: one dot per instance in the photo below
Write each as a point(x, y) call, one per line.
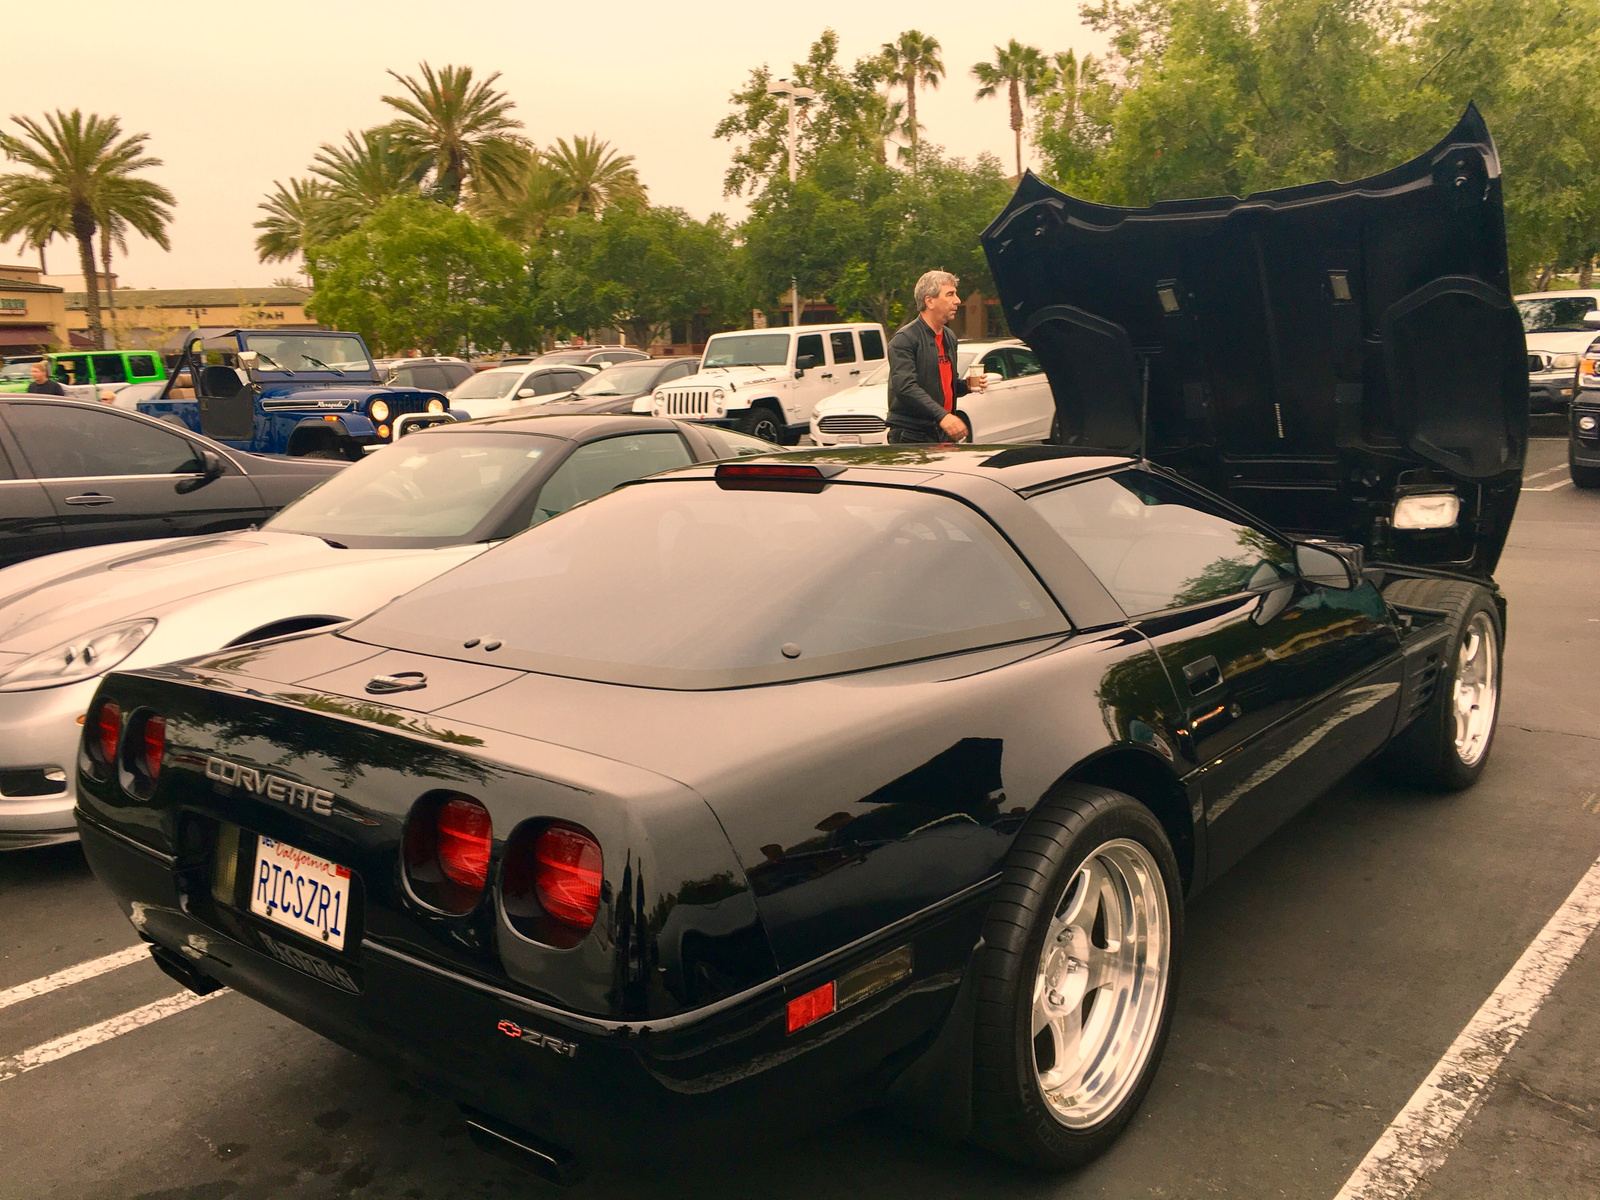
point(70, 975)
point(1420, 1138)
point(1542, 474)
point(1560, 483)
point(103, 1031)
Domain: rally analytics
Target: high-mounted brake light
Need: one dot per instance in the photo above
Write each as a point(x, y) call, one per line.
point(465, 835)
point(108, 724)
point(567, 875)
point(776, 476)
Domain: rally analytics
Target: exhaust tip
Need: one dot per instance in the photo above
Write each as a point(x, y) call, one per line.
point(175, 966)
point(523, 1149)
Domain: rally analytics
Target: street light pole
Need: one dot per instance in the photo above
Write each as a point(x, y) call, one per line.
point(794, 94)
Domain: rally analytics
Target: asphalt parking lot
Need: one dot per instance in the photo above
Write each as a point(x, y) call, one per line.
point(1324, 977)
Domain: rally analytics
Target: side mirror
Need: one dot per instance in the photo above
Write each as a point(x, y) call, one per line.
point(524, 393)
point(1592, 317)
point(803, 364)
point(1330, 566)
point(211, 467)
point(248, 359)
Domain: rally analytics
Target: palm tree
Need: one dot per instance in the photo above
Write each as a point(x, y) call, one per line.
point(1022, 71)
point(294, 215)
point(521, 211)
point(372, 166)
point(1070, 75)
point(84, 165)
point(913, 59)
point(595, 174)
point(460, 127)
point(124, 205)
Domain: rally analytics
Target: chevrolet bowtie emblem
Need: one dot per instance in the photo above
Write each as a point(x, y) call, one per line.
point(403, 681)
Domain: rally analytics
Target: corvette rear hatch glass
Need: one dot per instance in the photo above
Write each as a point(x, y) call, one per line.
point(682, 585)
point(429, 487)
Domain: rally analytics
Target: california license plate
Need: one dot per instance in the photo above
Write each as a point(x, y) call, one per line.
point(300, 891)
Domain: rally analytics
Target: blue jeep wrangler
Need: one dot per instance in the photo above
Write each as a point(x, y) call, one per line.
point(295, 392)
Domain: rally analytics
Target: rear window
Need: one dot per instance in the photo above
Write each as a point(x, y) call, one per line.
point(685, 585)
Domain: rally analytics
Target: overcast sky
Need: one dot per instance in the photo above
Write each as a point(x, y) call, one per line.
point(237, 96)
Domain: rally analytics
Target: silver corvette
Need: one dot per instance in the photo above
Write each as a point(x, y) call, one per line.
point(376, 530)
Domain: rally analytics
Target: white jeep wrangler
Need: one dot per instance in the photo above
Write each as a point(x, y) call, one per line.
point(765, 382)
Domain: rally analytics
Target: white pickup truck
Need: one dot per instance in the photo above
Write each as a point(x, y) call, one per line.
point(765, 382)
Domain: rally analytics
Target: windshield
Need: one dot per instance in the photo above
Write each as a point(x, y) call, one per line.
point(1555, 314)
point(747, 350)
point(302, 352)
point(620, 381)
point(683, 584)
point(488, 385)
point(424, 487)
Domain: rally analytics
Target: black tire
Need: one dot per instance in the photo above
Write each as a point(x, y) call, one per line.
point(765, 424)
point(967, 421)
point(1040, 882)
point(1584, 477)
point(1425, 753)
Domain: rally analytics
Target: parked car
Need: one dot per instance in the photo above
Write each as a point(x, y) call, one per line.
point(90, 374)
point(76, 474)
point(1583, 420)
point(130, 397)
point(766, 382)
point(763, 792)
point(380, 528)
point(1016, 406)
point(624, 388)
point(1559, 326)
point(301, 392)
point(595, 356)
point(438, 374)
point(505, 391)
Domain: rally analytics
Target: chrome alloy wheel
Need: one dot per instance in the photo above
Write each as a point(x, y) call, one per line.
point(1101, 983)
point(1477, 689)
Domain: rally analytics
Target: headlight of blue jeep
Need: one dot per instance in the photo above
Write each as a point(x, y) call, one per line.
point(379, 410)
point(82, 658)
point(435, 406)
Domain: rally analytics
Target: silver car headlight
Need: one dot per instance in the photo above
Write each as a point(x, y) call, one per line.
point(1439, 510)
point(82, 658)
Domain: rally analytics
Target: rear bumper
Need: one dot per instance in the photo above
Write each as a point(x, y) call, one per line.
point(580, 1084)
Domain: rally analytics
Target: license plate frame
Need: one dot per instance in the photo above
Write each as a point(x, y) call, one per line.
point(847, 439)
point(302, 892)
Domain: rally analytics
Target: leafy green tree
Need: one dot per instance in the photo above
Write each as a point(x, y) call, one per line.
point(593, 175)
point(1023, 72)
point(83, 167)
point(289, 227)
point(638, 268)
point(463, 129)
point(371, 167)
point(523, 207)
point(912, 59)
point(848, 111)
point(420, 275)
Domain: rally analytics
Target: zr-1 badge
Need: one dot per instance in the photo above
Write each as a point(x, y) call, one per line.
point(534, 1038)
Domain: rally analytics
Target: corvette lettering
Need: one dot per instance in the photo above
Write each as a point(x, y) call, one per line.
point(532, 1037)
point(273, 787)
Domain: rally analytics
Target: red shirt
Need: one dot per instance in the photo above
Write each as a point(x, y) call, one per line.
point(947, 377)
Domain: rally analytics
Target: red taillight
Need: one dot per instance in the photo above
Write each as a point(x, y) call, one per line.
point(813, 1006)
point(155, 744)
point(567, 873)
point(465, 834)
point(109, 723)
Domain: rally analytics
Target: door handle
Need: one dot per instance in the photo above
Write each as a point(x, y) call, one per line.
point(856, 372)
point(91, 500)
point(1202, 675)
point(826, 375)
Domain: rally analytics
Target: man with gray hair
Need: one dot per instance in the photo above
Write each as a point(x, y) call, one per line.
point(923, 386)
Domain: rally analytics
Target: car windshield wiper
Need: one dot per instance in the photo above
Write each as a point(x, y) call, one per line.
point(276, 365)
point(334, 544)
point(610, 393)
point(317, 362)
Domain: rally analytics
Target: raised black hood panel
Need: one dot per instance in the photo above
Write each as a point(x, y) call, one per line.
point(1310, 351)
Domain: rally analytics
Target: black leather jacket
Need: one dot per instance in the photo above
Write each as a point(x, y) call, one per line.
point(916, 399)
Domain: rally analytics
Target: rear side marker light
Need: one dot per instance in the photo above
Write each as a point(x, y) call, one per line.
point(567, 875)
point(465, 835)
point(850, 988)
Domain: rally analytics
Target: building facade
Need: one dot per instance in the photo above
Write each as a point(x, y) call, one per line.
point(147, 318)
point(33, 313)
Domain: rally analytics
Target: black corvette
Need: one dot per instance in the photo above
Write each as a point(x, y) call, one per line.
point(752, 793)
